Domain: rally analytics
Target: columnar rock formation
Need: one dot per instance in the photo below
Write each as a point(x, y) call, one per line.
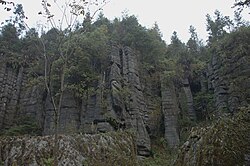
point(188, 99)
point(10, 83)
point(117, 102)
point(218, 84)
point(127, 97)
point(229, 79)
point(17, 99)
point(123, 98)
point(170, 111)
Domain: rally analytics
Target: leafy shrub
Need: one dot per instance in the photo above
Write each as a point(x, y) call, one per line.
point(224, 142)
point(25, 125)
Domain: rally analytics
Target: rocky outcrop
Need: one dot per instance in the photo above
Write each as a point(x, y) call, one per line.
point(152, 94)
point(170, 111)
point(127, 98)
point(229, 79)
point(17, 99)
point(69, 117)
point(188, 100)
point(112, 149)
point(225, 142)
point(218, 83)
point(10, 84)
point(123, 98)
point(229, 71)
point(116, 103)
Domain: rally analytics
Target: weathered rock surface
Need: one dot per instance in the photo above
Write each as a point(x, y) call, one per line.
point(229, 78)
point(189, 103)
point(117, 101)
point(17, 99)
point(218, 83)
point(170, 111)
point(111, 148)
point(127, 97)
point(69, 116)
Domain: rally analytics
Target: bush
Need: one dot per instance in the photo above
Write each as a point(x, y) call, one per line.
point(224, 142)
point(23, 126)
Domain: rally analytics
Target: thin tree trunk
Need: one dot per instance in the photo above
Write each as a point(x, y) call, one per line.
point(57, 116)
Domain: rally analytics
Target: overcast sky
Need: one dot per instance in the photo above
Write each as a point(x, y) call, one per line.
point(170, 15)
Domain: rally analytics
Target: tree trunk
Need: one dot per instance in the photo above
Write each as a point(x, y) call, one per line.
point(57, 115)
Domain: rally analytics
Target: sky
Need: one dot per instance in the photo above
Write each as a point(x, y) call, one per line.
point(170, 15)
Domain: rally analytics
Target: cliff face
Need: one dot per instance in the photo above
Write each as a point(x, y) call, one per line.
point(125, 97)
point(117, 103)
point(127, 103)
point(170, 111)
point(229, 79)
point(226, 140)
point(16, 98)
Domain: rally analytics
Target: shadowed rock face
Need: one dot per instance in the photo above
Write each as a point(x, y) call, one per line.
point(16, 98)
point(10, 83)
point(229, 79)
point(117, 103)
point(218, 83)
point(123, 98)
point(170, 111)
point(189, 99)
point(127, 98)
point(69, 116)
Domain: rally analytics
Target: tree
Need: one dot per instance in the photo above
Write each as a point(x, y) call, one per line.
point(18, 18)
point(218, 27)
point(176, 48)
point(193, 42)
point(8, 5)
point(241, 4)
point(62, 52)
point(154, 47)
point(9, 37)
point(88, 61)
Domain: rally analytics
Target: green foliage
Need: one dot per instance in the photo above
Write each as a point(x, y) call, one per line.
point(218, 27)
point(204, 105)
point(147, 42)
point(224, 142)
point(111, 149)
point(177, 59)
point(161, 155)
point(23, 125)
point(241, 4)
point(233, 51)
point(235, 44)
point(48, 162)
point(89, 59)
point(9, 40)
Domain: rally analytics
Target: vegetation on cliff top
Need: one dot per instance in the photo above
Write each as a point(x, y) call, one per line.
point(89, 58)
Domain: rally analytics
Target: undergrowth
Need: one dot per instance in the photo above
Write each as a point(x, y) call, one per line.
point(161, 154)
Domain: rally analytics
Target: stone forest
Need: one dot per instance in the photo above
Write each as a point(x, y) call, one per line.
point(112, 92)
